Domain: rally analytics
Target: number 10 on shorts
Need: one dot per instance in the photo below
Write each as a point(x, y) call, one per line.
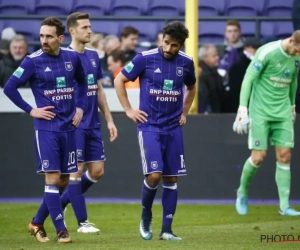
point(72, 158)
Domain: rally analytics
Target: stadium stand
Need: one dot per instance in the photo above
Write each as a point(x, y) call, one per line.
point(278, 8)
point(257, 17)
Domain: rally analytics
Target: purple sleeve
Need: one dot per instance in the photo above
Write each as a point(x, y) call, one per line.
point(99, 69)
point(81, 84)
point(134, 68)
point(21, 75)
point(190, 78)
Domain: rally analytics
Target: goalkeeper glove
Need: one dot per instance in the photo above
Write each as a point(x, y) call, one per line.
point(241, 123)
point(293, 113)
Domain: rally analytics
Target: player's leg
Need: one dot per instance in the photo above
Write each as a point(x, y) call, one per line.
point(94, 158)
point(45, 148)
point(283, 140)
point(70, 166)
point(54, 205)
point(73, 192)
point(75, 177)
point(150, 150)
point(258, 143)
point(174, 166)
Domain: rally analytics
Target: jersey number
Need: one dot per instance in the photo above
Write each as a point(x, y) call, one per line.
point(71, 158)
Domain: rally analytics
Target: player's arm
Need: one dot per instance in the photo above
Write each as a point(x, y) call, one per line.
point(293, 91)
point(130, 73)
point(190, 81)
point(103, 106)
point(253, 73)
point(19, 78)
point(82, 92)
point(82, 88)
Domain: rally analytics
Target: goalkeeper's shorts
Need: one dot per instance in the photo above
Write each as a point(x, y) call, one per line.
point(281, 133)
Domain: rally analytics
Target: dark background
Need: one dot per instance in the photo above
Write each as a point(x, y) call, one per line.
point(214, 157)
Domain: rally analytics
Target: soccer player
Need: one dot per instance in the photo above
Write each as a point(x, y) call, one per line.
point(88, 135)
point(51, 72)
point(267, 109)
point(162, 71)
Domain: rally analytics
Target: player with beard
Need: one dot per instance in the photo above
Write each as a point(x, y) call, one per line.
point(163, 72)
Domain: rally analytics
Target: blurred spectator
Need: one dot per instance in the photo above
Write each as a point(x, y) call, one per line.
point(8, 33)
point(4, 48)
point(295, 14)
point(212, 94)
point(110, 44)
point(97, 43)
point(159, 38)
point(18, 49)
point(129, 41)
point(234, 47)
point(116, 61)
point(238, 70)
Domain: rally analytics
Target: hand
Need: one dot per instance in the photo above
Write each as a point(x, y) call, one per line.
point(136, 115)
point(77, 117)
point(43, 113)
point(241, 123)
point(182, 120)
point(112, 131)
point(293, 113)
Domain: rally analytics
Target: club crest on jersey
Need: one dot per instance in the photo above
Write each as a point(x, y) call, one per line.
point(296, 63)
point(45, 163)
point(69, 66)
point(79, 153)
point(154, 164)
point(179, 71)
point(93, 63)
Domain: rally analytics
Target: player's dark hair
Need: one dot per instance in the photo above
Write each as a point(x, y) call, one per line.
point(177, 31)
point(53, 21)
point(74, 17)
point(128, 30)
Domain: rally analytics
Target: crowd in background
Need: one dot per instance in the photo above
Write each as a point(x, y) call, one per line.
point(221, 74)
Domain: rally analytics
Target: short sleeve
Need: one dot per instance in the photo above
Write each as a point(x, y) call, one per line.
point(24, 72)
point(190, 78)
point(99, 73)
point(258, 63)
point(135, 67)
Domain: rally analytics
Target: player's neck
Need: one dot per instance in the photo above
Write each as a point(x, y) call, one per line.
point(55, 52)
point(285, 44)
point(77, 46)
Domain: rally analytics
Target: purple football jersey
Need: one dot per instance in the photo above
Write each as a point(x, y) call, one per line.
point(161, 86)
point(92, 67)
point(52, 80)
